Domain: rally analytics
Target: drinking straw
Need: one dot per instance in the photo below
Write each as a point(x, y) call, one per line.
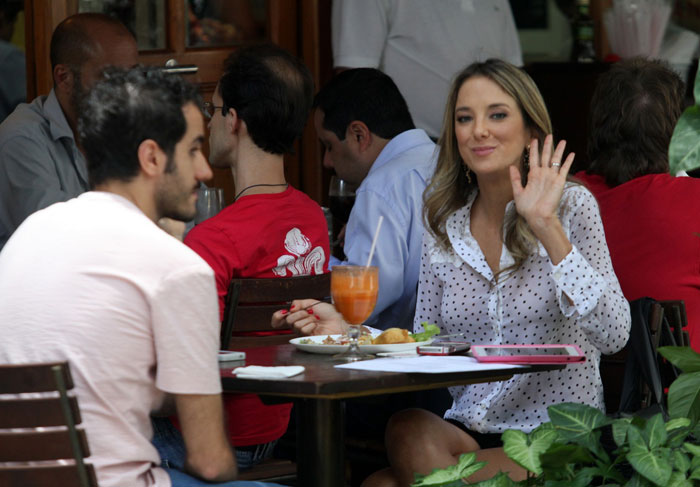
point(374, 241)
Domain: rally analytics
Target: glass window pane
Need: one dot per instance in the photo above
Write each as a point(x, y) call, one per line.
point(225, 22)
point(144, 18)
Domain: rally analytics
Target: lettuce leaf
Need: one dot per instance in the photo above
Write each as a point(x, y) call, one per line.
point(430, 331)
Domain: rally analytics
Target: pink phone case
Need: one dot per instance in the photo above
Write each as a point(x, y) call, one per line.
point(478, 353)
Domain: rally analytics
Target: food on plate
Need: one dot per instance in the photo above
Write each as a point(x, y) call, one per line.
point(430, 331)
point(393, 335)
point(388, 337)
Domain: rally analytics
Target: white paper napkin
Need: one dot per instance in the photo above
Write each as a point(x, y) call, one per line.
point(262, 372)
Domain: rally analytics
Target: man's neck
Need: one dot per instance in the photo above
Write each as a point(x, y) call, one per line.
point(134, 191)
point(68, 112)
point(255, 167)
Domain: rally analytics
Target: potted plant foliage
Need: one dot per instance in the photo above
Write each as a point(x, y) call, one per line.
point(684, 150)
point(567, 451)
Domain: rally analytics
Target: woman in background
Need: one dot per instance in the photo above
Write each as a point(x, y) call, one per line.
point(651, 219)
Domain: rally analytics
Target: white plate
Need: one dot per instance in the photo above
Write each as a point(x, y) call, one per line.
point(318, 347)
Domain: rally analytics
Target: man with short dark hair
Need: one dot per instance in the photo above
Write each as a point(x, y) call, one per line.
point(363, 121)
point(258, 110)
point(40, 160)
point(95, 282)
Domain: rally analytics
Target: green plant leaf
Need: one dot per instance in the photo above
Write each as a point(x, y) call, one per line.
point(678, 480)
point(684, 396)
point(526, 450)
point(695, 475)
point(684, 149)
point(653, 464)
point(619, 430)
point(692, 448)
point(450, 476)
point(638, 481)
point(685, 358)
point(655, 431)
point(558, 456)
point(576, 422)
point(501, 479)
point(681, 462)
point(676, 423)
point(696, 88)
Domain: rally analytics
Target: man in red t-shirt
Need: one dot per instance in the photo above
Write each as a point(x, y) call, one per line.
point(258, 110)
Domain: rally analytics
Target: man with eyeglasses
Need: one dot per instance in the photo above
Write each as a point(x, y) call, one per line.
point(258, 110)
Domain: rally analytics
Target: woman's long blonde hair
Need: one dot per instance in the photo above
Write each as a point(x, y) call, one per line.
point(449, 188)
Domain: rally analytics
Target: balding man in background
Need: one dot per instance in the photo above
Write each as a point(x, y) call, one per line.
point(40, 160)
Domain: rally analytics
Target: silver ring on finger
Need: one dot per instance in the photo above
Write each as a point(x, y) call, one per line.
point(556, 164)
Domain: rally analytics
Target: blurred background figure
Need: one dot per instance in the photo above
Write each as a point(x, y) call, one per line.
point(421, 45)
point(650, 217)
point(40, 160)
point(13, 90)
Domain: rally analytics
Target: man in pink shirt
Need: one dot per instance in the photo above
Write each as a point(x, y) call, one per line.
point(96, 282)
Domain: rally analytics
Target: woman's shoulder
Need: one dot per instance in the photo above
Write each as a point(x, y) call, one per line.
point(575, 194)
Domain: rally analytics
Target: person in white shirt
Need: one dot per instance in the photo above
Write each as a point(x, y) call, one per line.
point(95, 282)
point(513, 255)
point(422, 44)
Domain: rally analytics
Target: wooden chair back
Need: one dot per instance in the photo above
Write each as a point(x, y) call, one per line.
point(250, 304)
point(29, 456)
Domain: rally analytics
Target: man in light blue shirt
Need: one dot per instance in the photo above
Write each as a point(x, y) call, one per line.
point(40, 160)
point(363, 121)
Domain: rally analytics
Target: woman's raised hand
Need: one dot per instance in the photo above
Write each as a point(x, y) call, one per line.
point(321, 319)
point(538, 201)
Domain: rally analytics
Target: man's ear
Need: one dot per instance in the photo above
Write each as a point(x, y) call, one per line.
point(233, 122)
point(359, 134)
point(63, 78)
point(152, 158)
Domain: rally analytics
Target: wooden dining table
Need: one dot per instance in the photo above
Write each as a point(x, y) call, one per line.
point(318, 394)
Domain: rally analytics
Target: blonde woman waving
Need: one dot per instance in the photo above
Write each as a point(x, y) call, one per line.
point(513, 254)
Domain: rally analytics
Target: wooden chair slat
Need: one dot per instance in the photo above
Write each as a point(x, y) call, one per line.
point(53, 475)
point(30, 413)
point(32, 444)
point(282, 289)
point(15, 379)
point(39, 445)
point(255, 318)
point(251, 302)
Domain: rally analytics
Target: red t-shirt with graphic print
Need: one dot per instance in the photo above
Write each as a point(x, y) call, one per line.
point(261, 235)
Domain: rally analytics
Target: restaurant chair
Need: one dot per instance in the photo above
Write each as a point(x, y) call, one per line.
point(636, 378)
point(250, 304)
point(40, 444)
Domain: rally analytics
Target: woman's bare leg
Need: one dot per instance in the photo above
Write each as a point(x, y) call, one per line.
point(419, 441)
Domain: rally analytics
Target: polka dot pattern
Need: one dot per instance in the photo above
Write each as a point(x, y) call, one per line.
point(578, 301)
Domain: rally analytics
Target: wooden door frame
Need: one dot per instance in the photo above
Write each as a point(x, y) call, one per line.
point(301, 27)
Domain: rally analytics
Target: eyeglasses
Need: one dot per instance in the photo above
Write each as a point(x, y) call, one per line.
point(209, 109)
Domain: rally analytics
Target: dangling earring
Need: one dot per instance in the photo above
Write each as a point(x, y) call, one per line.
point(467, 173)
point(526, 158)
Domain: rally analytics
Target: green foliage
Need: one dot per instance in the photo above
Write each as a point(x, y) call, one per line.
point(451, 476)
point(567, 451)
point(684, 150)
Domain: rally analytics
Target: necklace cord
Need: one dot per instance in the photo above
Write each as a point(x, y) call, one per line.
point(256, 186)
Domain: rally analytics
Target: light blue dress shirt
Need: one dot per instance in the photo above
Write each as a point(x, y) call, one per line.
point(40, 163)
point(393, 188)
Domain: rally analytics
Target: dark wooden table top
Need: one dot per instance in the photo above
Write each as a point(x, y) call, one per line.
point(321, 380)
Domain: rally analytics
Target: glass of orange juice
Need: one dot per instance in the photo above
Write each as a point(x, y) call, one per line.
point(354, 291)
